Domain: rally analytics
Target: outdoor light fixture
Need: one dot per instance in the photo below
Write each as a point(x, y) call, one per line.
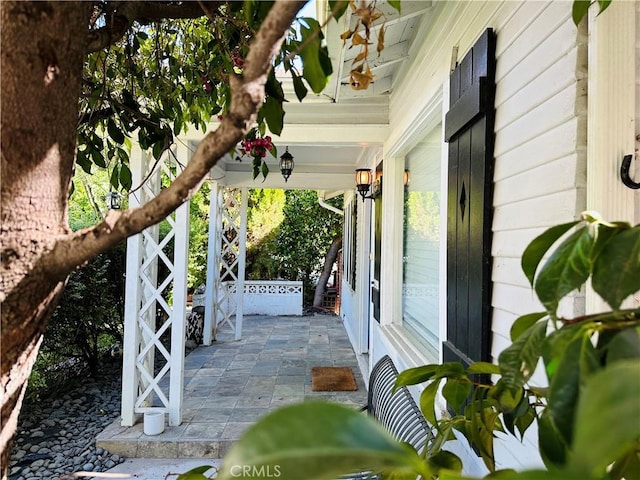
point(364, 181)
point(286, 164)
point(113, 200)
point(406, 178)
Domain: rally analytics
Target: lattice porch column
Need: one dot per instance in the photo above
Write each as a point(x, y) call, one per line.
point(155, 305)
point(213, 264)
point(225, 261)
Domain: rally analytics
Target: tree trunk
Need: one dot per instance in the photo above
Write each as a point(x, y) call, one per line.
point(41, 70)
point(43, 45)
point(329, 260)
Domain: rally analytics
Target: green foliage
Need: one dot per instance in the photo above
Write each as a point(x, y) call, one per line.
point(89, 316)
point(87, 204)
point(581, 7)
point(198, 237)
point(163, 77)
point(304, 237)
point(285, 444)
point(587, 418)
point(289, 234)
point(264, 217)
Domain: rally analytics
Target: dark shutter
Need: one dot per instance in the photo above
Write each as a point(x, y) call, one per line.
point(469, 132)
point(354, 243)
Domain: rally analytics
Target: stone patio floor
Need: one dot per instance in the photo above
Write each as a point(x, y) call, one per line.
point(230, 384)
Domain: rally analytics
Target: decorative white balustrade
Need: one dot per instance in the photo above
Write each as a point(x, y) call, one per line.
point(261, 297)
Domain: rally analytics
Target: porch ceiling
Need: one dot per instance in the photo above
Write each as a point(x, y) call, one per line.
point(332, 134)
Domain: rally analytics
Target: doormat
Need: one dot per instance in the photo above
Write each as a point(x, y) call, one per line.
point(332, 379)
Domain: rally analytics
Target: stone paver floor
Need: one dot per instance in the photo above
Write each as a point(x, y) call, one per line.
point(230, 384)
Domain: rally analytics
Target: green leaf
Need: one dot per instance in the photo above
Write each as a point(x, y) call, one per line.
point(125, 176)
point(449, 370)
point(519, 360)
point(395, 4)
point(114, 132)
point(523, 323)
point(627, 466)
point(273, 87)
point(197, 473)
point(510, 400)
point(539, 246)
point(523, 422)
point(158, 149)
point(624, 345)
point(556, 345)
point(443, 435)
point(273, 114)
point(444, 460)
point(413, 376)
point(456, 391)
point(483, 421)
point(479, 368)
point(566, 270)
point(553, 448)
point(603, 4)
point(264, 170)
point(114, 180)
point(177, 124)
point(83, 161)
point(338, 7)
point(98, 158)
point(511, 416)
point(298, 87)
point(523, 475)
point(616, 272)
point(564, 389)
point(579, 10)
point(605, 232)
point(428, 402)
point(314, 68)
point(318, 440)
point(607, 425)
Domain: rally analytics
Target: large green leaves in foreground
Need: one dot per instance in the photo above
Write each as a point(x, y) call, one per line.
point(588, 417)
point(608, 418)
point(317, 440)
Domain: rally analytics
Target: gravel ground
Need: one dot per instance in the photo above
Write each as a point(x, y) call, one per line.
point(56, 435)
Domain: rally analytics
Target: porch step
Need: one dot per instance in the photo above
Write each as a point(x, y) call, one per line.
point(131, 442)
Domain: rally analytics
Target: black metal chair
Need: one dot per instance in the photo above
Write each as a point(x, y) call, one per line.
point(397, 411)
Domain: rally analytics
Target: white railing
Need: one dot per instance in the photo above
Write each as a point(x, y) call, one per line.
point(264, 297)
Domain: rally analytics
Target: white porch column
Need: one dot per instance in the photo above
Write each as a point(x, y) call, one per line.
point(213, 265)
point(611, 132)
point(179, 312)
point(131, 302)
point(149, 312)
point(225, 261)
point(242, 260)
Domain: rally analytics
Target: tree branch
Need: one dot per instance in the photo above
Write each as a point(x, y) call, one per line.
point(122, 15)
point(248, 93)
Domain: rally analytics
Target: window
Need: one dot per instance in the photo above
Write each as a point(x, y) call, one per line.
point(421, 239)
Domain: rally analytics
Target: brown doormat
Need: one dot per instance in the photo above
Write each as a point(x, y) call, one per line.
point(332, 379)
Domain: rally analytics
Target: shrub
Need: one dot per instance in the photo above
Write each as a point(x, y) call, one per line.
point(89, 317)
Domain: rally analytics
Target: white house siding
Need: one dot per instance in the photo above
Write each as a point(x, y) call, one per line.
point(349, 299)
point(540, 154)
